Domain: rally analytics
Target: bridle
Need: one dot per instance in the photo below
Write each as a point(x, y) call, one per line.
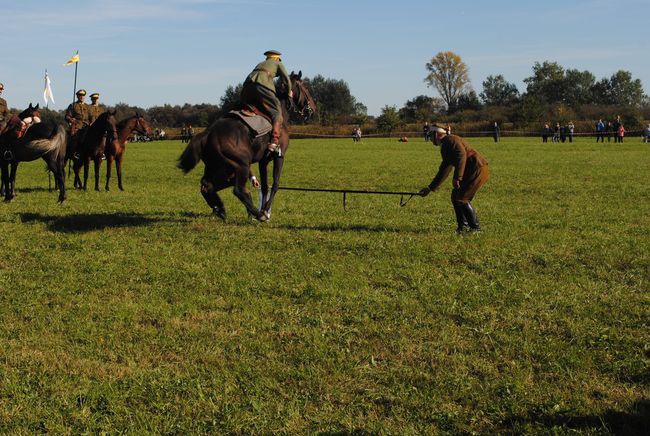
point(300, 94)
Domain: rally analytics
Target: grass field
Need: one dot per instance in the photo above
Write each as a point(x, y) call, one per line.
point(138, 311)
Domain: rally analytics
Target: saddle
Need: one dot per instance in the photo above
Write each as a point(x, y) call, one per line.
point(258, 123)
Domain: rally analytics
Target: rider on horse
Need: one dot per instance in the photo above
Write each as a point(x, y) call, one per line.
point(4, 110)
point(77, 116)
point(94, 109)
point(259, 92)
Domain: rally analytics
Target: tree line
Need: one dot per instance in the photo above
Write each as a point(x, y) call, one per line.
point(553, 93)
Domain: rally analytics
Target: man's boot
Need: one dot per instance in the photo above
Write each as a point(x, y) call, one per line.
point(460, 218)
point(470, 216)
point(274, 146)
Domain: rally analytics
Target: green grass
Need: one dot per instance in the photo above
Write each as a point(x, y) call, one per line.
point(138, 311)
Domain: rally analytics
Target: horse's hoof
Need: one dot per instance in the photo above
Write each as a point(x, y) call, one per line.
point(220, 213)
point(106, 189)
point(264, 216)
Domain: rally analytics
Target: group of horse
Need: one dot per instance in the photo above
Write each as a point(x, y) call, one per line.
point(25, 138)
point(228, 149)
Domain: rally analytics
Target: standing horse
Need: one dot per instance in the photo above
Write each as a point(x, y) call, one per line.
point(92, 146)
point(24, 141)
point(228, 149)
point(115, 149)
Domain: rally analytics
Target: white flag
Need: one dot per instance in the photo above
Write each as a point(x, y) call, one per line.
point(47, 92)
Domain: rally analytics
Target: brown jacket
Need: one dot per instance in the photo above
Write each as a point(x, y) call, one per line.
point(4, 110)
point(458, 154)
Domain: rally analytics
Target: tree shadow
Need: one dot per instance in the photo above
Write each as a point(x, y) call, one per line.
point(633, 422)
point(351, 228)
point(80, 223)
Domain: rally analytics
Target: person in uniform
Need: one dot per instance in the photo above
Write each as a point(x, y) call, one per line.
point(259, 91)
point(4, 109)
point(77, 113)
point(94, 109)
point(470, 174)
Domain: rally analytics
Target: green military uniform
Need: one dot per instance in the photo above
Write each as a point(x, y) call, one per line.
point(94, 111)
point(470, 174)
point(77, 114)
point(259, 90)
point(4, 113)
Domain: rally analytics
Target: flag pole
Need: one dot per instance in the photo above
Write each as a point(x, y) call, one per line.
point(47, 102)
point(76, 64)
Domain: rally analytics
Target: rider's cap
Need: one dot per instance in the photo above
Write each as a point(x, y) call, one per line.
point(81, 92)
point(272, 54)
point(94, 95)
point(439, 129)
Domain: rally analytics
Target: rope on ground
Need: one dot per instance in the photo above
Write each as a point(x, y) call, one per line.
point(345, 192)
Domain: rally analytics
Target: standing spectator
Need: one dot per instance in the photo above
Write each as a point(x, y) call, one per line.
point(426, 130)
point(4, 110)
point(546, 132)
point(183, 133)
point(556, 133)
point(496, 134)
point(600, 131)
point(571, 128)
point(563, 130)
point(620, 133)
point(608, 131)
point(190, 133)
point(358, 134)
point(615, 126)
point(646, 137)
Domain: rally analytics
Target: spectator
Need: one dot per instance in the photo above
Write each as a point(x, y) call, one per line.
point(646, 137)
point(546, 132)
point(620, 133)
point(183, 133)
point(600, 131)
point(608, 131)
point(190, 133)
point(615, 126)
point(563, 130)
point(556, 133)
point(356, 134)
point(571, 128)
point(426, 130)
point(496, 134)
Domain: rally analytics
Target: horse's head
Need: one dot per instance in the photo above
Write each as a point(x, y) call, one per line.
point(141, 125)
point(108, 123)
point(302, 101)
point(31, 115)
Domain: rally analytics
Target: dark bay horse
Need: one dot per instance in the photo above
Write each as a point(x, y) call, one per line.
point(26, 139)
point(228, 150)
point(100, 133)
point(115, 149)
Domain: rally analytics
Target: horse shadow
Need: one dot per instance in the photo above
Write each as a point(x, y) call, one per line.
point(81, 223)
point(634, 422)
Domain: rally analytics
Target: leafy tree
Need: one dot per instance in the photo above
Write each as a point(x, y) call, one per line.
point(388, 120)
point(498, 92)
point(335, 102)
point(547, 82)
point(579, 87)
point(467, 101)
point(625, 91)
point(448, 74)
point(360, 113)
point(231, 98)
point(421, 108)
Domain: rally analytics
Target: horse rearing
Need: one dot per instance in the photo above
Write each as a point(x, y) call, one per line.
point(228, 149)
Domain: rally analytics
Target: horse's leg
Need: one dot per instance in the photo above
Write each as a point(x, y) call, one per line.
point(278, 163)
point(4, 170)
point(12, 179)
point(57, 167)
point(118, 169)
point(209, 188)
point(86, 164)
point(264, 182)
point(98, 163)
point(240, 191)
point(76, 166)
point(109, 168)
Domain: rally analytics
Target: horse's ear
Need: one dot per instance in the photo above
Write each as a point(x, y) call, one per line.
point(292, 73)
point(300, 74)
point(137, 114)
point(30, 106)
point(37, 105)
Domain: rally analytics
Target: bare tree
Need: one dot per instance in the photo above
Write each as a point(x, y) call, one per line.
point(449, 75)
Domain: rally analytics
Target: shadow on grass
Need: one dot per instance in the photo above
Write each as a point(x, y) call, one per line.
point(79, 223)
point(351, 228)
point(634, 422)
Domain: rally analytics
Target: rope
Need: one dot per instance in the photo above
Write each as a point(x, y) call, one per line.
point(345, 192)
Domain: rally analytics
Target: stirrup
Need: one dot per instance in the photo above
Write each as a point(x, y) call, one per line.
point(8, 155)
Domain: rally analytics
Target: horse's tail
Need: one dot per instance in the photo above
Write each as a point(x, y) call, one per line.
point(192, 154)
point(56, 142)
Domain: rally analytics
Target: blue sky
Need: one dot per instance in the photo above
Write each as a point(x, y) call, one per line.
point(149, 53)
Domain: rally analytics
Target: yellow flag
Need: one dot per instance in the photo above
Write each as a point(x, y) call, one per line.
point(73, 59)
